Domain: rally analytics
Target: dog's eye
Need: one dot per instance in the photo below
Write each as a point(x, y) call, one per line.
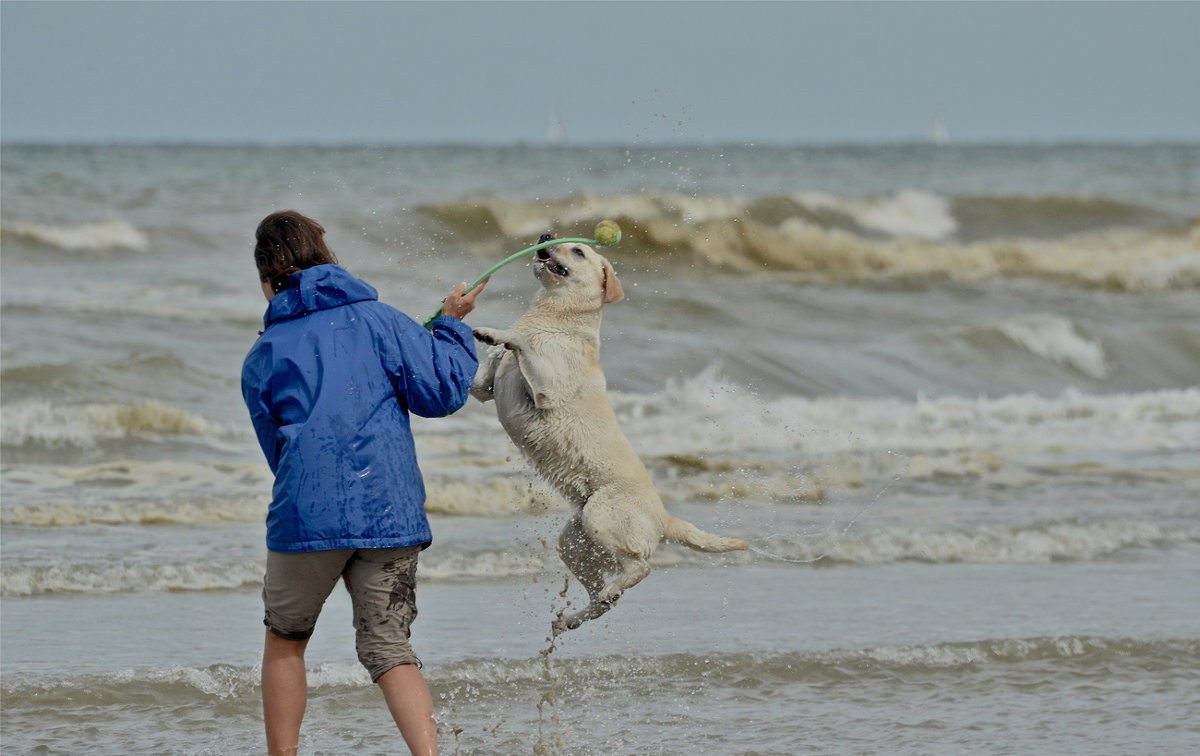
point(578, 251)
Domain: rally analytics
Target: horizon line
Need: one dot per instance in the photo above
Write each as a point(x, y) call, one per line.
point(600, 144)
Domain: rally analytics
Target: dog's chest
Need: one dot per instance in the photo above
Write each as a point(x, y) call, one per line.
point(514, 402)
point(554, 440)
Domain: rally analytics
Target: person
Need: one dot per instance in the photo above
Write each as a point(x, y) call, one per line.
point(330, 384)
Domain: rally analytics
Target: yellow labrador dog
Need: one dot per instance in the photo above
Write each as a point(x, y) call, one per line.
point(544, 375)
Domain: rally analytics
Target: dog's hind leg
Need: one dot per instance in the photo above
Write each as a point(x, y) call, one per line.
point(633, 568)
point(625, 537)
point(584, 557)
point(588, 563)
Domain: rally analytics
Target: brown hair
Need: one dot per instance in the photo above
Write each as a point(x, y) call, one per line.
point(286, 242)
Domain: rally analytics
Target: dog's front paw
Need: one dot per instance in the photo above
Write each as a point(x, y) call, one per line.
point(486, 335)
point(492, 336)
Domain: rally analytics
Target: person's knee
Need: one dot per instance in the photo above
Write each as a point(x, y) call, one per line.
point(278, 645)
point(378, 658)
point(383, 591)
point(295, 588)
point(384, 644)
point(296, 631)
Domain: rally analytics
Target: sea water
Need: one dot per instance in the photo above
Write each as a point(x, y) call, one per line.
point(951, 396)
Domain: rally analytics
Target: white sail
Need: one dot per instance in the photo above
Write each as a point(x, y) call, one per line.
point(556, 132)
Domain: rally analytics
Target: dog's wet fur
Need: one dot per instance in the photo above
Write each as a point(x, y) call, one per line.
point(544, 376)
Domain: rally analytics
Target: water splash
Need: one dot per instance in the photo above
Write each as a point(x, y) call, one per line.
point(844, 531)
point(551, 677)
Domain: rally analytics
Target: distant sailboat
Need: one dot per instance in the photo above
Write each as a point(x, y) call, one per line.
point(940, 133)
point(556, 132)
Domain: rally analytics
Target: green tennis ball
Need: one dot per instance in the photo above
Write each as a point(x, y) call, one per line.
point(607, 233)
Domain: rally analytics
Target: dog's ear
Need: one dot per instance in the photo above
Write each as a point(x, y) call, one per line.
point(612, 287)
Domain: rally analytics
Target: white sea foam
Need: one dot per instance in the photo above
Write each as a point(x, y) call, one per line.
point(35, 578)
point(527, 675)
point(160, 510)
point(167, 492)
point(89, 298)
point(917, 227)
point(1058, 340)
point(84, 425)
point(112, 233)
point(1165, 273)
point(1033, 544)
point(1134, 260)
point(232, 682)
point(221, 680)
point(908, 214)
point(1008, 650)
point(127, 577)
point(750, 427)
point(707, 438)
point(720, 443)
point(449, 565)
point(492, 496)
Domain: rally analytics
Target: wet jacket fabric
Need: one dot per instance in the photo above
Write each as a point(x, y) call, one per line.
point(330, 385)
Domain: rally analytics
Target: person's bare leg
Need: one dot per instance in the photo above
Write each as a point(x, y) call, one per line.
point(284, 692)
point(411, 705)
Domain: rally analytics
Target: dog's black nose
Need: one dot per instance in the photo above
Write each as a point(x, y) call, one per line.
point(545, 238)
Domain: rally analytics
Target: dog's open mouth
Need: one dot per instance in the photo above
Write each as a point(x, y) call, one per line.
point(545, 259)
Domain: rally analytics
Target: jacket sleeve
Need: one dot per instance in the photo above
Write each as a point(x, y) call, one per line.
point(265, 427)
point(432, 370)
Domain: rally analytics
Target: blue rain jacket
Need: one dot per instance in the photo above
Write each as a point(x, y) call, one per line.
point(330, 384)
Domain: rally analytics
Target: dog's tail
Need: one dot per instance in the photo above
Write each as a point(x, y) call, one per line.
point(682, 531)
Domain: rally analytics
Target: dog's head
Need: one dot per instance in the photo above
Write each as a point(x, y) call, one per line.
point(577, 274)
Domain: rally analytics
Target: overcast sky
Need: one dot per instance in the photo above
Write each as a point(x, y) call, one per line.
point(617, 72)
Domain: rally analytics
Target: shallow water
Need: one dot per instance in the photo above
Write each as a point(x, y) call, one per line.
point(949, 395)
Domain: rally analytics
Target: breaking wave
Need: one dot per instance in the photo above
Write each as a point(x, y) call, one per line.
point(838, 664)
point(791, 427)
point(1033, 544)
point(84, 425)
point(908, 236)
point(1056, 339)
point(195, 510)
point(113, 233)
point(129, 577)
point(1080, 655)
point(1039, 543)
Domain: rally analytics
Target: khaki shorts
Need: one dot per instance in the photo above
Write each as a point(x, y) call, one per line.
point(383, 589)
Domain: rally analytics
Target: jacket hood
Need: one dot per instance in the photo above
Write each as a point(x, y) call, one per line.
point(318, 288)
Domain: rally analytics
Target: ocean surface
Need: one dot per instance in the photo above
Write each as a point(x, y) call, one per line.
point(951, 395)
